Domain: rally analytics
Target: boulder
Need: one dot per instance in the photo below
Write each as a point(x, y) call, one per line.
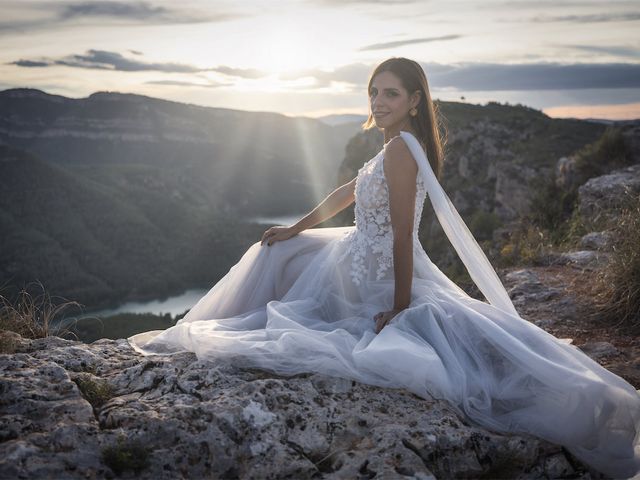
point(602, 198)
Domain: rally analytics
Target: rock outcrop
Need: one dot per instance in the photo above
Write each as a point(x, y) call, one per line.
point(601, 198)
point(100, 410)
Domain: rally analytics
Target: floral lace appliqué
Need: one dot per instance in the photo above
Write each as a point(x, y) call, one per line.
point(373, 220)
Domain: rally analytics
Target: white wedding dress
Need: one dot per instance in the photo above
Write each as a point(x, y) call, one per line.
point(306, 304)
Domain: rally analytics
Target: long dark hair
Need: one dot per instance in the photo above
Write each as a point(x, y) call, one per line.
point(427, 123)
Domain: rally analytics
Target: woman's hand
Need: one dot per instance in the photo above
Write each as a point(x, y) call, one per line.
point(277, 233)
point(383, 318)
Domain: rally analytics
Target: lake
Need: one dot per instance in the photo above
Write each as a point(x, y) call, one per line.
point(173, 305)
point(177, 304)
point(285, 220)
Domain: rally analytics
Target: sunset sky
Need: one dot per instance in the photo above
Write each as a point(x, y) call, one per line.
point(313, 57)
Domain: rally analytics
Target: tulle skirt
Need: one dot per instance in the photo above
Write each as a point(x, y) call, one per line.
point(292, 307)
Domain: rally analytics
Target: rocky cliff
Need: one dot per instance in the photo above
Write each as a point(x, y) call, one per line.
point(100, 410)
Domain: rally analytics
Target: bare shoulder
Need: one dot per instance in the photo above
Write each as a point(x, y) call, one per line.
point(398, 157)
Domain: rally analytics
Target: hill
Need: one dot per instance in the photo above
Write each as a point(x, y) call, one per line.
point(90, 242)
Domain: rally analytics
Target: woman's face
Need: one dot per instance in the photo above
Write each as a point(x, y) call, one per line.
point(389, 101)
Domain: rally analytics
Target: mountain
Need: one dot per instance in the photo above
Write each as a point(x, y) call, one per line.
point(343, 119)
point(94, 243)
point(233, 159)
point(120, 197)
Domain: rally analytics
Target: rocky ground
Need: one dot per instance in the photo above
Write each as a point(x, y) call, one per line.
point(564, 313)
point(70, 410)
point(100, 410)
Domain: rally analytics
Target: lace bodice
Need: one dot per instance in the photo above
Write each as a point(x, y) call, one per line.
point(373, 220)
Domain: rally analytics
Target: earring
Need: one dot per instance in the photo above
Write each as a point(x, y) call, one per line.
point(413, 112)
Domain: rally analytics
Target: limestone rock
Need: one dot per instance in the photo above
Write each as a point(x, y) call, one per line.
point(601, 198)
point(582, 258)
point(597, 350)
point(597, 240)
point(201, 419)
point(528, 288)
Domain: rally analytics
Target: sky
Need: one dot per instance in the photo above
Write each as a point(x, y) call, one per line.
point(572, 58)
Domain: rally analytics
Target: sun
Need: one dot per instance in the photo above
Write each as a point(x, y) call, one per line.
point(282, 53)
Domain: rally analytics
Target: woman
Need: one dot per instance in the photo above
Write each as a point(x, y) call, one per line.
point(366, 302)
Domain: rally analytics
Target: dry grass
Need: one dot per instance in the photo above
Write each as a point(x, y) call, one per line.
point(33, 316)
point(528, 245)
point(616, 289)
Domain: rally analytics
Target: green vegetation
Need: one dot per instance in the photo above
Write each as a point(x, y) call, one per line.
point(101, 240)
point(126, 455)
point(554, 223)
point(482, 224)
point(616, 291)
point(528, 245)
point(96, 392)
point(605, 154)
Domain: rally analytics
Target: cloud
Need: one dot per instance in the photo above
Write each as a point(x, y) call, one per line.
point(240, 72)
point(620, 51)
point(554, 4)
point(399, 43)
point(462, 76)
point(129, 10)
point(105, 60)
point(340, 3)
point(54, 14)
point(589, 18)
point(536, 76)
point(29, 63)
point(350, 74)
point(493, 76)
point(187, 84)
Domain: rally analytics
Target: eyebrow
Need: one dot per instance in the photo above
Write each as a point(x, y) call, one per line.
point(386, 89)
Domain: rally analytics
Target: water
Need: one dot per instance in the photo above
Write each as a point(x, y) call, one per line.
point(173, 305)
point(177, 304)
point(285, 220)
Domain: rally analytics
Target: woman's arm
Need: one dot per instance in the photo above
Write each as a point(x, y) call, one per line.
point(335, 202)
point(401, 172)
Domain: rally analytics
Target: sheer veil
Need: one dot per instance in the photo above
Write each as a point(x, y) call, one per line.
point(474, 259)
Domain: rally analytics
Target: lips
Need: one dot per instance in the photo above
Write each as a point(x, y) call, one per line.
point(380, 114)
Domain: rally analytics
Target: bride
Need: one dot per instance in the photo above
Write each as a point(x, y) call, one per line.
point(365, 302)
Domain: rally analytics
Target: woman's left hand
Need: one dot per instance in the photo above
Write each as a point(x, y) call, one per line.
point(383, 318)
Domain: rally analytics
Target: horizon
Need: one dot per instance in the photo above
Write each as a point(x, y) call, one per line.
point(319, 118)
point(569, 59)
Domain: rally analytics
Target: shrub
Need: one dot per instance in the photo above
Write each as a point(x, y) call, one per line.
point(126, 455)
point(607, 153)
point(528, 244)
point(551, 205)
point(8, 341)
point(483, 223)
point(97, 393)
point(553, 208)
point(616, 291)
point(33, 316)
